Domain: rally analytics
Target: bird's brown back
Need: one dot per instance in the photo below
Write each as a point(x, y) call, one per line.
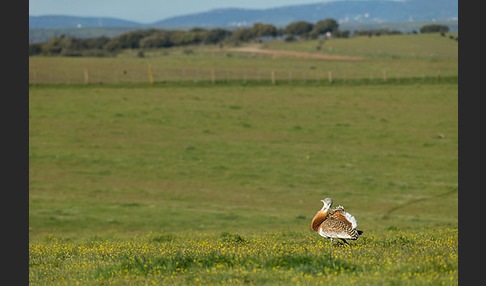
point(339, 216)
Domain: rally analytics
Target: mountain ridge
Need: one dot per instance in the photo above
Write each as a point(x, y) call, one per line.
point(64, 21)
point(349, 11)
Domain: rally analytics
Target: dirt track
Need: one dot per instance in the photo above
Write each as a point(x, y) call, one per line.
point(255, 50)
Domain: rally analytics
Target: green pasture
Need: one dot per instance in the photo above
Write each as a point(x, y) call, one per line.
point(393, 57)
point(194, 183)
point(239, 158)
point(115, 163)
point(429, 47)
point(427, 257)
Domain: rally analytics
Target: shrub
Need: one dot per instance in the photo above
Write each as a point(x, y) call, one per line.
point(290, 39)
point(35, 49)
point(299, 28)
point(216, 35)
point(159, 39)
point(130, 40)
point(434, 28)
point(243, 35)
point(342, 34)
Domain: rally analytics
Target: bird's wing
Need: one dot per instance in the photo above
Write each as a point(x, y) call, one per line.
point(340, 215)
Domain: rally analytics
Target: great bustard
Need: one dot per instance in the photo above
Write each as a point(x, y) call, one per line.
point(335, 223)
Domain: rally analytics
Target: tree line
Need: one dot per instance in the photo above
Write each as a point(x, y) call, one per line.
point(155, 38)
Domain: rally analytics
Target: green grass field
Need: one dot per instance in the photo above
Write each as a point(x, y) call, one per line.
point(410, 47)
point(191, 183)
point(426, 257)
point(399, 57)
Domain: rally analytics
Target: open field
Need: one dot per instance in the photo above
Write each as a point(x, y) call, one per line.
point(198, 183)
point(429, 47)
point(427, 257)
point(397, 57)
point(107, 161)
point(176, 152)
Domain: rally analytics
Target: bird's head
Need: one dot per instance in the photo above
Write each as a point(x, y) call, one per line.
point(327, 204)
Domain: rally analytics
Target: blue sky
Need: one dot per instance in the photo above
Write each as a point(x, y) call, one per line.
point(147, 11)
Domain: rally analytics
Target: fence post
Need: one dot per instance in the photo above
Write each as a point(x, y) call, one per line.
point(330, 76)
point(273, 77)
point(86, 76)
point(384, 75)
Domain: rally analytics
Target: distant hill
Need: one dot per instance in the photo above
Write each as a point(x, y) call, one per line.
point(405, 15)
point(349, 11)
point(344, 11)
point(60, 21)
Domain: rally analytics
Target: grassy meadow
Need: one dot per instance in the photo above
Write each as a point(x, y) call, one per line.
point(136, 184)
point(399, 57)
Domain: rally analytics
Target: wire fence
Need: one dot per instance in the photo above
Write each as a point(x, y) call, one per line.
point(151, 75)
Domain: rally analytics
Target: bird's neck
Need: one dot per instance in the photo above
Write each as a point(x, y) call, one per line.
point(318, 219)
